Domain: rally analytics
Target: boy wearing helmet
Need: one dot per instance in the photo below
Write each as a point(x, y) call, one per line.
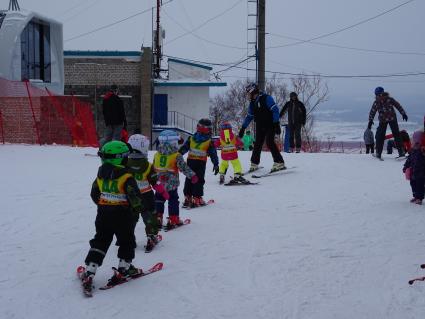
point(384, 105)
point(167, 163)
point(146, 179)
point(117, 197)
point(229, 144)
point(199, 146)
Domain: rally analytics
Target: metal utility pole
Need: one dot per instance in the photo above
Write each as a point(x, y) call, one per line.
point(158, 49)
point(261, 76)
point(14, 6)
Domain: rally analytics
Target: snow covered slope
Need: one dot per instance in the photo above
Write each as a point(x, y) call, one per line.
point(334, 238)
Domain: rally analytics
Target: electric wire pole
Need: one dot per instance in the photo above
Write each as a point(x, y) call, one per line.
point(261, 44)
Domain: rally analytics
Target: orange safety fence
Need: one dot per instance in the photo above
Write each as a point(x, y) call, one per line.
point(32, 115)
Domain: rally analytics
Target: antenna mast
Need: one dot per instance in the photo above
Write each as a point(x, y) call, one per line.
point(14, 6)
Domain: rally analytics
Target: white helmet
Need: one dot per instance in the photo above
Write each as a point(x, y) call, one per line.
point(140, 145)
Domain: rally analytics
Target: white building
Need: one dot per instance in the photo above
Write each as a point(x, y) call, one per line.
point(31, 49)
point(184, 98)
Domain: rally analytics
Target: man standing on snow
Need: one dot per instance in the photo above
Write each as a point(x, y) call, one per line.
point(296, 120)
point(384, 105)
point(264, 111)
point(114, 116)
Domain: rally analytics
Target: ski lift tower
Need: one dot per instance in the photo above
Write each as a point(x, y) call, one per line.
point(14, 6)
point(252, 40)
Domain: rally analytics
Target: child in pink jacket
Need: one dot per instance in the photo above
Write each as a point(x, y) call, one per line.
point(229, 144)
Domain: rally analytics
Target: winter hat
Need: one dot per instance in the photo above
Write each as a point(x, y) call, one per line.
point(293, 94)
point(379, 90)
point(417, 137)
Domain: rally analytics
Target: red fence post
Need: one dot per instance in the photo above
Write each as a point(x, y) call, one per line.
point(1, 127)
point(33, 114)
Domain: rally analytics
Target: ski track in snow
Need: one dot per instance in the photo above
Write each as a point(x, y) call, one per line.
point(336, 238)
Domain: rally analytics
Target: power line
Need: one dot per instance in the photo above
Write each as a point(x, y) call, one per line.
point(345, 28)
point(203, 62)
point(350, 48)
point(203, 24)
point(114, 23)
point(197, 36)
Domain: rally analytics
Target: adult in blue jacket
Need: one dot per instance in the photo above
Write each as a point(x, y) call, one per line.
point(265, 113)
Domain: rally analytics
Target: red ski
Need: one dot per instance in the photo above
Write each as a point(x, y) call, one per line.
point(185, 222)
point(155, 268)
point(209, 202)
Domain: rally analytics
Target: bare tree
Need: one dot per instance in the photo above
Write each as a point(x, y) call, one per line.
point(312, 91)
point(232, 105)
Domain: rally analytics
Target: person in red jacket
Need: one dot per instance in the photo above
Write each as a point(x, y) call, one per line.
point(229, 144)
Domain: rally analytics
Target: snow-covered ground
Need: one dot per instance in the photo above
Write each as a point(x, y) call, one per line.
point(334, 238)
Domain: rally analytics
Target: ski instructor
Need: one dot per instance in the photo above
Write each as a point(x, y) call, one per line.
point(264, 111)
point(384, 105)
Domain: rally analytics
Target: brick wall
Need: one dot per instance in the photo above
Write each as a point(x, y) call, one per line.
point(92, 77)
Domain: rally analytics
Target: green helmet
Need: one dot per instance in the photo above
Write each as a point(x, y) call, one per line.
point(115, 153)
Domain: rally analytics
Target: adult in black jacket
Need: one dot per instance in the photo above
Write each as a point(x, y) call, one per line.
point(296, 120)
point(114, 116)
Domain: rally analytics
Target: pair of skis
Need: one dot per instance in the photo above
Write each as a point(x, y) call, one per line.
point(88, 290)
point(412, 281)
point(272, 173)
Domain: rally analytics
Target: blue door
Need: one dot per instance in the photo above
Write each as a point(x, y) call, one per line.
point(160, 109)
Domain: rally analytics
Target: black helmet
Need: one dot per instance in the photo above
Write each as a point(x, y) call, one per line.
point(204, 126)
point(251, 88)
point(293, 94)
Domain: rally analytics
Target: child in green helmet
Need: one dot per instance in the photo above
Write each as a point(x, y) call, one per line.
point(118, 200)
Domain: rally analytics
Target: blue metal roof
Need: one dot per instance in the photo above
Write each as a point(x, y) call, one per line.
point(191, 64)
point(190, 84)
point(102, 53)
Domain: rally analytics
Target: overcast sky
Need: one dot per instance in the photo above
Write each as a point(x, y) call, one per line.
point(224, 22)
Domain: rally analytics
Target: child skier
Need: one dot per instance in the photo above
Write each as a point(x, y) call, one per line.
point(146, 179)
point(199, 146)
point(118, 199)
point(369, 141)
point(167, 163)
point(414, 168)
point(229, 144)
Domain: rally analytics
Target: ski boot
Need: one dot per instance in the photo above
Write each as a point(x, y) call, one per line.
point(187, 201)
point(418, 201)
point(151, 243)
point(87, 278)
point(253, 168)
point(173, 222)
point(221, 179)
point(198, 201)
point(125, 271)
point(413, 200)
point(278, 167)
point(298, 150)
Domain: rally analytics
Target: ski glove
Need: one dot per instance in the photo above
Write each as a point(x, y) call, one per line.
point(194, 179)
point(215, 169)
point(404, 116)
point(241, 132)
point(162, 191)
point(369, 125)
point(276, 127)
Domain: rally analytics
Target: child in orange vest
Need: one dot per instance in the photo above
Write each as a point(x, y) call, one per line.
point(199, 146)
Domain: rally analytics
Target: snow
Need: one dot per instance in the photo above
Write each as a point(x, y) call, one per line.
point(334, 238)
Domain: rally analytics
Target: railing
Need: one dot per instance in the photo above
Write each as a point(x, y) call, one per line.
point(181, 121)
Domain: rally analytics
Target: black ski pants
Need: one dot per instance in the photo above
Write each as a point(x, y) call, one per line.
point(197, 190)
point(370, 148)
point(295, 136)
point(380, 136)
point(418, 188)
point(110, 221)
point(267, 134)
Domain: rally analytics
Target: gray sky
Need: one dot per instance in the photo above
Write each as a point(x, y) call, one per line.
point(401, 30)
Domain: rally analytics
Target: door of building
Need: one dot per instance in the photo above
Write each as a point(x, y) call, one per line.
point(160, 109)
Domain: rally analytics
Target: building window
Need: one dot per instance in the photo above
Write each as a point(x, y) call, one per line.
point(35, 52)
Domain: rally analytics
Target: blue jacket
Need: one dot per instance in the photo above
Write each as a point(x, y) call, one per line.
point(262, 110)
